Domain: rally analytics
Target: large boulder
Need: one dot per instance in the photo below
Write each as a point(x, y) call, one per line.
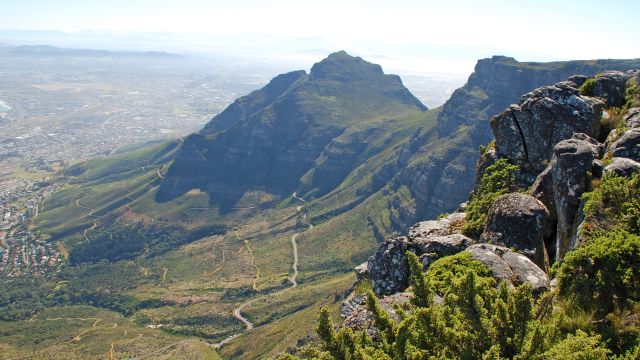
point(441, 227)
point(436, 247)
point(388, 268)
point(563, 182)
point(611, 87)
point(509, 266)
point(628, 145)
point(355, 313)
point(519, 221)
point(622, 167)
point(632, 118)
point(526, 133)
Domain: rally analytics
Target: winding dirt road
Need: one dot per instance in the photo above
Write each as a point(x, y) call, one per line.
point(237, 312)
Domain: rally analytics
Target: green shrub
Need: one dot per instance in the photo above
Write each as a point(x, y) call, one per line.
point(604, 274)
point(498, 179)
point(613, 204)
point(580, 346)
point(586, 89)
point(442, 272)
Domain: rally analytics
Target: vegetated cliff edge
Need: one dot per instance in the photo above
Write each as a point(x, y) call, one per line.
point(438, 165)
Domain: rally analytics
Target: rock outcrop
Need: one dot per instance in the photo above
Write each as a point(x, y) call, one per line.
point(388, 269)
point(519, 221)
point(628, 145)
point(527, 132)
point(507, 265)
point(563, 182)
point(610, 85)
point(622, 166)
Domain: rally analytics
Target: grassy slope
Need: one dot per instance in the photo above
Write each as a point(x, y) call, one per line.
point(202, 282)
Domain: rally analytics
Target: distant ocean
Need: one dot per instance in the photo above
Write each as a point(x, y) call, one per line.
point(4, 107)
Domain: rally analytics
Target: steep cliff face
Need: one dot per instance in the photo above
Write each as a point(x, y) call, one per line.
point(302, 132)
point(441, 169)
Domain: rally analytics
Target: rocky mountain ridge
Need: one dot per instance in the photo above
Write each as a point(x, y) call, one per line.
point(438, 165)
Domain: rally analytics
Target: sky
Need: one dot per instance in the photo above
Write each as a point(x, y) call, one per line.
point(447, 35)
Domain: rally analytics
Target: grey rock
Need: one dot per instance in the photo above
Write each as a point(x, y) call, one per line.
point(611, 87)
point(578, 79)
point(524, 272)
point(435, 247)
point(622, 166)
point(442, 245)
point(388, 268)
point(632, 118)
point(527, 132)
point(441, 227)
point(628, 145)
point(356, 316)
point(521, 222)
point(510, 266)
point(362, 271)
point(569, 169)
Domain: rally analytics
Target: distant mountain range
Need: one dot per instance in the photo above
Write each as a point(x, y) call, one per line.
point(52, 51)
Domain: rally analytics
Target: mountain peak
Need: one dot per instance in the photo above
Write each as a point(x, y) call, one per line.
point(341, 66)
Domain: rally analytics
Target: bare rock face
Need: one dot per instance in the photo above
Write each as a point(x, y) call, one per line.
point(622, 167)
point(526, 133)
point(362, 271)
point(519, 221)
point(356, 316)
point(388, 269)
point(510, 266)
point(610, 86)
point(426, 229)
point(436, 247)
point(628, 145)
point(562, 183)
point(632, 118)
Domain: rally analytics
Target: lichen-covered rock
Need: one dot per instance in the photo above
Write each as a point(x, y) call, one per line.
point(519, 221)
point(356, 316)
point(622, 166)
point(563, 182)
point(526, 133)
point(628, 145)
point(611, 87)
point(573, 160)
point(632, 118)
point(362, 271)
point(388, 268)
point(445, 226)
point(510, 266)
point(435, 247)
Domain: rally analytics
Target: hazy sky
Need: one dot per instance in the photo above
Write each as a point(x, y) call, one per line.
point(536, 30)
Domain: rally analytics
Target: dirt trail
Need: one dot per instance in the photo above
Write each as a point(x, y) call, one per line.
point(90, 214)
point(237, 312)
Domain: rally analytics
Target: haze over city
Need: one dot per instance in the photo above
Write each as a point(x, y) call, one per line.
point(412, 36)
